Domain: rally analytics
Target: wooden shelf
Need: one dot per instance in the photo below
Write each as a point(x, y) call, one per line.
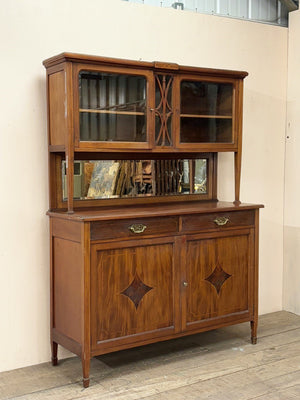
point(205, 116)
point(88, 110)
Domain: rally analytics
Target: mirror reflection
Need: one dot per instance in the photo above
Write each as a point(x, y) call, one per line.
point(102, 179)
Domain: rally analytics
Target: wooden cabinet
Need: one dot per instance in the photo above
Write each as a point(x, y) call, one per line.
point(115, 289)
point(141, 248)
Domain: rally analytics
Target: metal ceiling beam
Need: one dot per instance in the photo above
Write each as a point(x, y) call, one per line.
point(290, 5)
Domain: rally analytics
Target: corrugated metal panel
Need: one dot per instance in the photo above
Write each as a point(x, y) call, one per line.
point(236, 8)
point(153, 3)
point(206, 6)
point(264, 10)
point(267, 11)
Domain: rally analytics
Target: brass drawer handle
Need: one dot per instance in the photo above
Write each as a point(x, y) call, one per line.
point(220, 221)
point(137, 228)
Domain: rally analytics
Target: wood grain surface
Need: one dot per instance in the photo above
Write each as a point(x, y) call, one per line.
point(146, 272)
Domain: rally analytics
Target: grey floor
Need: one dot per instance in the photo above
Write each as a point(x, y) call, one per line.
point(218, 365)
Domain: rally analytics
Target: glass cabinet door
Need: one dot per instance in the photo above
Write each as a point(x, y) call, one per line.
point(206, 112)
point(112, 107)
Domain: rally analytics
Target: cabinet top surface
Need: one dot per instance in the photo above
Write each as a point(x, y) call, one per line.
point(157, 65)
point(125, 212)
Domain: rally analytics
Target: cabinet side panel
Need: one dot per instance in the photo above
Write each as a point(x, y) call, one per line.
point(57, 118)
point(68, 288)
point(66, 229)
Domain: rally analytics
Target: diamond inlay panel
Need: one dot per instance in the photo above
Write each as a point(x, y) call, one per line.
point(217, 278)
point(136, 290)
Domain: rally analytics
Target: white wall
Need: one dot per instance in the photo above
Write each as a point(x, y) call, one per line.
point(292, 176)
point(33, 30)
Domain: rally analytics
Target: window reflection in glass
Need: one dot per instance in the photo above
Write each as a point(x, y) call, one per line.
point(112, 107)
point(206, 98)
point(206, 112)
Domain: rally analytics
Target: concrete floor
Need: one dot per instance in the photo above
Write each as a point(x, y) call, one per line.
point(218, 365)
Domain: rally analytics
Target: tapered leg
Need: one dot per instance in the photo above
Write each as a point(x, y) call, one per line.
point(54, 353)
point(253, 331)
point(86, 372)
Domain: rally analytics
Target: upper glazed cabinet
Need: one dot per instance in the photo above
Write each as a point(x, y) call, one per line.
point(159, 125)
point(123, 105)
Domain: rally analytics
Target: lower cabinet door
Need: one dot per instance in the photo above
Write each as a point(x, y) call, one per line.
point(218, 279)
point(132, 292)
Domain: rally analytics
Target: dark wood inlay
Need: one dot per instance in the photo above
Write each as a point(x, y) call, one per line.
point(218, 277)
point(136, 290)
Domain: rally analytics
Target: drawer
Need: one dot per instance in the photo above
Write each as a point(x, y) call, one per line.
point(133, 228)
point(193, 223)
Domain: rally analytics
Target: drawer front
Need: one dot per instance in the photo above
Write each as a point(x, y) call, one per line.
point(133, 228)
point(193, 223)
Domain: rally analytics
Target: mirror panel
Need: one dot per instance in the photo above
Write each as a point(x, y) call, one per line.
point(107, 179)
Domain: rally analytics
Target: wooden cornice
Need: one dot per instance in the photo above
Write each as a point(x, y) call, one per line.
point(155, 65)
